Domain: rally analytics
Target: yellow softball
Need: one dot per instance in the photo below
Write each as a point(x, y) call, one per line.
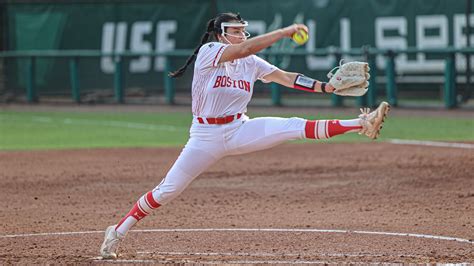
point(300, 37)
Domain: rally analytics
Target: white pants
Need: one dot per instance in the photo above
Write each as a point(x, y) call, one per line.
point(210, 143)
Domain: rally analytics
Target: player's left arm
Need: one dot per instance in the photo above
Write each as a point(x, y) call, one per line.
point(298, 81)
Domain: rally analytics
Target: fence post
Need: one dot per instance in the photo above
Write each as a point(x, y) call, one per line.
point(31, 95)
point(336, 100)
point(450, 91)
point(372, 93)
point(118, 79)
point(361, 101)
point(276, 94)
point(275, 88)
point(390, 73)
point(73, 68)
point(169, 88)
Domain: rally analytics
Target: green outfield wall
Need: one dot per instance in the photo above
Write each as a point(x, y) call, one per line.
point(147, 26)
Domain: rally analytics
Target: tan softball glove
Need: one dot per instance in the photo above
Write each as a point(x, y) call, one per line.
point(350, 79)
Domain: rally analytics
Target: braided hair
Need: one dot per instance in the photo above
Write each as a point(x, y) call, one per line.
point(213, 29)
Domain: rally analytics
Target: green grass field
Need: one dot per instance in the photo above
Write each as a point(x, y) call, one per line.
point(61, 130)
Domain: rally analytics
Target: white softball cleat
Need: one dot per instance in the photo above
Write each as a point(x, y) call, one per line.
point(371, 122)
point(112, 239)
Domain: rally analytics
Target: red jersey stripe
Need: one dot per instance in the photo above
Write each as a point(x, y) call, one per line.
point(214, 62)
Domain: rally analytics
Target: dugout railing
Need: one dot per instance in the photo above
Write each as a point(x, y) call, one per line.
point(369, 53)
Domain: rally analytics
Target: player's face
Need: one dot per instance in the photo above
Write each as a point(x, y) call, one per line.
point(235, 35)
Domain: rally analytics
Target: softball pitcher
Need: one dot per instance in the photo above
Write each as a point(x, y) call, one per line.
point(224, 75)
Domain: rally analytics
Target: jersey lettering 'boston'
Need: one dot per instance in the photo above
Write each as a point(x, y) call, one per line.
point(224, 81)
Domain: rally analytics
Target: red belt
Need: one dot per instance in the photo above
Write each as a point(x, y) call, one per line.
point(219, 120)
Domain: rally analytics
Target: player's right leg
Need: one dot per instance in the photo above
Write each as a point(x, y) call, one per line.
point(197, 156)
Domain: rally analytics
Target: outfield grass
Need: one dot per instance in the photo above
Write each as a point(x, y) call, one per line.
point(61, 130)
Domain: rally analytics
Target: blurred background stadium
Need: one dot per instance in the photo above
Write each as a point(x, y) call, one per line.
point(89, 51)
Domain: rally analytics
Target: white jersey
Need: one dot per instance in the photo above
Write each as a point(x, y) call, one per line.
point(224, 89)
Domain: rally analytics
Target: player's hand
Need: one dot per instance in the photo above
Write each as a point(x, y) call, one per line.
point(329, 88)
point(290, 30)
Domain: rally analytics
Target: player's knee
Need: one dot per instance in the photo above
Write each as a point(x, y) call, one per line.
point(289, 124)
point(297, 121)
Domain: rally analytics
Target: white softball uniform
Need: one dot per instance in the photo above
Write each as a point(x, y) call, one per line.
point(220, 90)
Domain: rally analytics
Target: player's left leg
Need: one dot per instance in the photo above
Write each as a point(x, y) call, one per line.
point(263, 133)
point(266, 132)
point(368, 123)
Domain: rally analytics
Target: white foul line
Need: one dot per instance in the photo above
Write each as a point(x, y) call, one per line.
point(260, 254)
point(462, 240)
point(217, 261)
point(143, 126)
point(107, 123)
point(227, 262)
point(52, 234)
point(432, 143)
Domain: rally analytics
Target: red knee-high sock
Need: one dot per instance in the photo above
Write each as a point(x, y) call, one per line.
point(139, 211)
point(324, 129)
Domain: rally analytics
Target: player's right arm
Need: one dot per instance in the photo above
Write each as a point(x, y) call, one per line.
point(257, 44)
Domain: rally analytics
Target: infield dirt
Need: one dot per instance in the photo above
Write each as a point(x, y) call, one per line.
point(369, 187)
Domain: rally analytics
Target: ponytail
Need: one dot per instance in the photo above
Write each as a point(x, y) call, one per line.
point(210, 29)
